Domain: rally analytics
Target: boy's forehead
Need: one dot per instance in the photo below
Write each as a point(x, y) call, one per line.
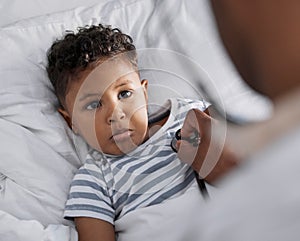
point(105, 74)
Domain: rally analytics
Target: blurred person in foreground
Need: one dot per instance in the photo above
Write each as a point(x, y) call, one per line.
point(259, 200)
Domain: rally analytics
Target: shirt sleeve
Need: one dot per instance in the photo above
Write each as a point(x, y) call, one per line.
point(89, 196)
point(201, 104)
point(188, 104)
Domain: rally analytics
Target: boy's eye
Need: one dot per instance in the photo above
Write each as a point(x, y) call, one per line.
point(124, 94)
point(93, 105)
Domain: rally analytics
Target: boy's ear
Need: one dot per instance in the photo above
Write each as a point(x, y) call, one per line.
point(67, 118)
point(144, 83)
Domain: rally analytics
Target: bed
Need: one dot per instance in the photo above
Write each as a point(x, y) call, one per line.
point(177, 43)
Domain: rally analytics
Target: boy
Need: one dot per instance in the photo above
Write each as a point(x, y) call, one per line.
point(131, 164)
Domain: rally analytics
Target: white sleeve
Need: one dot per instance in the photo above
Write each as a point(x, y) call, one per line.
point(13, 229)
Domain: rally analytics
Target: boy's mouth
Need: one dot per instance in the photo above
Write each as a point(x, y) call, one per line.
point(121, 135)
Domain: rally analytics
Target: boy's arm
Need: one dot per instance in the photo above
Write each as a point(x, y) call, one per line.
point(92, 229)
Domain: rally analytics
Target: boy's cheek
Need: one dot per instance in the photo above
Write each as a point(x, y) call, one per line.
point(92, 136)
point(139, 101)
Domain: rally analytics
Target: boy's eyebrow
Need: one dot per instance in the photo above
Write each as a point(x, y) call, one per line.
point(88, 95)
point(122, 82)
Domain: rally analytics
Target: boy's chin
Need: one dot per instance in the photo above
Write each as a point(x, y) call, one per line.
point(120, 150)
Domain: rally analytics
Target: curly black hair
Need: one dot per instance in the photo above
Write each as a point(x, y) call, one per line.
point(76, 52)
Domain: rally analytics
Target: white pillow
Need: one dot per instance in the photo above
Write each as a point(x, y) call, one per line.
point(15, 10)
point(39, 153)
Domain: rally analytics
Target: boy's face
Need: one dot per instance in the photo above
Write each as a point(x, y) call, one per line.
point(108, 107)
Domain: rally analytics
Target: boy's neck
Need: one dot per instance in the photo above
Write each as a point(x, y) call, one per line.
point(155, 125)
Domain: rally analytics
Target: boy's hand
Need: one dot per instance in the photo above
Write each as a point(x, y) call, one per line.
point(211, 158)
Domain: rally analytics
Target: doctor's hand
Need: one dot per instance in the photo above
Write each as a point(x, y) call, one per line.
point(208, 154)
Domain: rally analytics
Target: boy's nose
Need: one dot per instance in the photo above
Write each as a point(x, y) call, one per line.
point(116, 114)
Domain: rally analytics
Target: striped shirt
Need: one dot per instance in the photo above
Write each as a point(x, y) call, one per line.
point(107, 187)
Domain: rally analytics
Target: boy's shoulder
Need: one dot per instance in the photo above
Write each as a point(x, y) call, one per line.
point(92, 161)
point(91, 170)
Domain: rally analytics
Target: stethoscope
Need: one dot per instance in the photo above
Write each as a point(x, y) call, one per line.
point(195, 140)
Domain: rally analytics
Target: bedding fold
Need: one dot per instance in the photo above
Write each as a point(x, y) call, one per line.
point(176, 219)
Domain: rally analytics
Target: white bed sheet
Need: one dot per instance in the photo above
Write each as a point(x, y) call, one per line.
point(39, 155)
point(175, 220)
